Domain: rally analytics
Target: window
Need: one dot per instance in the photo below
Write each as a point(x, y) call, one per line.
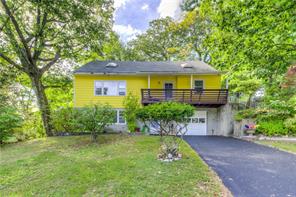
point(110, 88)
point(198, 84)
point(121, 88)
point(119, 117)
point(202, 120)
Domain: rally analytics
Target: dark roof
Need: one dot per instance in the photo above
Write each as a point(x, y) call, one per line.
point(141, 67)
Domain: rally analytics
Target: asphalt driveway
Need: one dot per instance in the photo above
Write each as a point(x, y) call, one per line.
point(246, 168)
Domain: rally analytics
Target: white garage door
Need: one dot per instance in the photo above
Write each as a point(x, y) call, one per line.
point(197, 124)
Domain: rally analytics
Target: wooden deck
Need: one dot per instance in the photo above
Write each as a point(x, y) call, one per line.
point(203, 97)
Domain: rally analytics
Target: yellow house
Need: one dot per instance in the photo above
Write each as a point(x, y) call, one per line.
point(192, 82)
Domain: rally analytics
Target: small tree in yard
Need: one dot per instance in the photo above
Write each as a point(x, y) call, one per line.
point(131, 105)
point(66, 119)
point(96, 118)
point(171, 119)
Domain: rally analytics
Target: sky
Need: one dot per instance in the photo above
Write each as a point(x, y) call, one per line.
point(132, 17)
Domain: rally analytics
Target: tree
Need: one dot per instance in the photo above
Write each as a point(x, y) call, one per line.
point(254, 35)
point(189, 5)
point(131, 105)
point(96, 118)
point(35, 35)
point(194, 29)
point(244, 82)
point(158, 43)
point(171, 118)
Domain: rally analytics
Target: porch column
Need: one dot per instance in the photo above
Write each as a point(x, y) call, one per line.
point(148, 81)
point(226, 84)
point(191, 82)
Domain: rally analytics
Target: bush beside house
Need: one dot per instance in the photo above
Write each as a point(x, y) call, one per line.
point(277, 119)
point(131, 105)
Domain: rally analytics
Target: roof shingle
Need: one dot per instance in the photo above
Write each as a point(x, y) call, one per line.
point(142, 67)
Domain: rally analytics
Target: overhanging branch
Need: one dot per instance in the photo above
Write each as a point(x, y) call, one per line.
point(47, 66)
point(10, 61)
point(17, 28)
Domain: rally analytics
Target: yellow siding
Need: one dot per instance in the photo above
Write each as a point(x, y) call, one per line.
point(210, 81)
point(183, 81)
point(84, 89)
point(157, 81)
point(84, 86)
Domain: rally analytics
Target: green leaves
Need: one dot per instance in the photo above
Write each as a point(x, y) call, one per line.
point(94, 118)
point(166, 111)
point(9, 120)
point(131, 105)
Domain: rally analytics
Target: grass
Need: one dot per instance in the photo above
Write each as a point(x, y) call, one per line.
point(118, 165)
point(282, 145)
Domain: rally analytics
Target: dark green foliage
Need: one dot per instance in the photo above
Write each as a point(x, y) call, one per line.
point(95, 118)
point(272, 128)
point(131, 105)
point(9, 121)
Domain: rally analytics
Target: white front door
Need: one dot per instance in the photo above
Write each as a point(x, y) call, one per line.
point(197, 124)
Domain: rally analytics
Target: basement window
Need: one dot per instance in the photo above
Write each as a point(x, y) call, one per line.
point(119, 117)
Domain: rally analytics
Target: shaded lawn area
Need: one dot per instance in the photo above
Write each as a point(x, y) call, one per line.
point(119, 165)
point(287, 146)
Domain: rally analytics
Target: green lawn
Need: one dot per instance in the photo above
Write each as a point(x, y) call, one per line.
point(288, 146)
point(119, 165)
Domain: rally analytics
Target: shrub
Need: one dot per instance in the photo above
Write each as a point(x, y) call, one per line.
point(290, 124)
point(247, 113)
point(96, 118)
point(171, 120)
point(131, 105)
point(66, 119)
point(31, 128)
point(9, 121)
point(263, 114)
point(272, 128)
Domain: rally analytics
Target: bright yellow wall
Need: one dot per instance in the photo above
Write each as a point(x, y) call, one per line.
point(157, 81)
point(183, 81)
point(84, 89)
point(210, 81)
point(84, 86)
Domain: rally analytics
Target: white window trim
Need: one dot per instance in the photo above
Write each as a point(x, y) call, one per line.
point(203, 83)
point(117, 117)
point(102, 81)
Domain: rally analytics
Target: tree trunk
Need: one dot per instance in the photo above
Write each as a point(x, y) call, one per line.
point(42, 103)
point(248, 105)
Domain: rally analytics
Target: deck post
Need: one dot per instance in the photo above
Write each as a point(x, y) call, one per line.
point(148, 81)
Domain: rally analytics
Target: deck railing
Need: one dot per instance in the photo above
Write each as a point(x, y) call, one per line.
point(192, 96)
